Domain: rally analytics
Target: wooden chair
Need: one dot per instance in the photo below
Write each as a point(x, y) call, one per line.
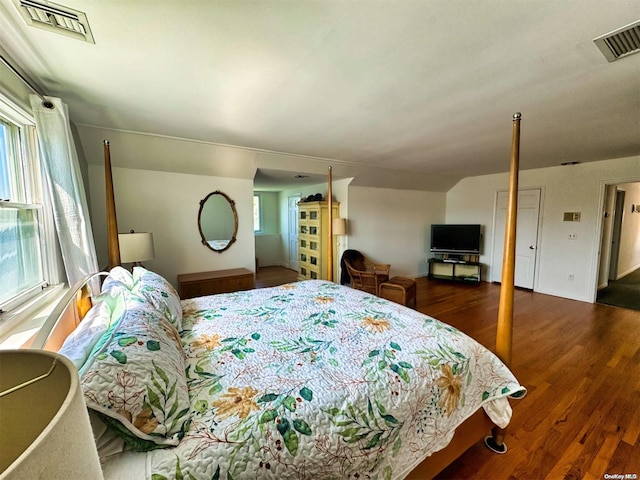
point(365, 275)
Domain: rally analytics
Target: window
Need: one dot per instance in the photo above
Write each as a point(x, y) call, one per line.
point(22, 261)
point(257, 220)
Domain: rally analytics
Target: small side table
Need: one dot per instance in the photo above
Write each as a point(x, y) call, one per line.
point(401, 290)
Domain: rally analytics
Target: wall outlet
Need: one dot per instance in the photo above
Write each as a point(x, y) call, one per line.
point(573, 236)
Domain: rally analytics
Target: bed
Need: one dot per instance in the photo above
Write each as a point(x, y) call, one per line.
point(305, 380)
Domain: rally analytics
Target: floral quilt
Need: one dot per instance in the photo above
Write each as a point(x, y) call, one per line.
point(314, 380)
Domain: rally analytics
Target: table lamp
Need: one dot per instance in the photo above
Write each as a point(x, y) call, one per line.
point(45, 431)
point(136, 247)
point(339, 226)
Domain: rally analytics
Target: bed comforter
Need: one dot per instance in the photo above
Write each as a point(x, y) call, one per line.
point(314, 380)
point(309, 380)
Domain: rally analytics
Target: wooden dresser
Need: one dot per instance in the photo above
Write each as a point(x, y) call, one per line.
point(219, 281)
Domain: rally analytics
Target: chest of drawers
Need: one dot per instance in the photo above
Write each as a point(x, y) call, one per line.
point(218, 281)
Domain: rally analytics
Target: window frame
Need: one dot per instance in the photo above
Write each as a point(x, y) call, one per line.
point(31, 195)
point(260, 230)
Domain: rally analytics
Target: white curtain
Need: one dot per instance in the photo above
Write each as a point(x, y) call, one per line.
point(62, 172)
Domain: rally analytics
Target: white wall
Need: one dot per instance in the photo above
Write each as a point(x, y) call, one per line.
point(166, 204)
point(393, 226)
point(576, 188)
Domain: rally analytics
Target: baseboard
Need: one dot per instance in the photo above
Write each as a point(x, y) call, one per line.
point(627, 272)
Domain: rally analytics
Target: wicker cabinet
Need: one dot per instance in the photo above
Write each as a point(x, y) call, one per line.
point(313, 225)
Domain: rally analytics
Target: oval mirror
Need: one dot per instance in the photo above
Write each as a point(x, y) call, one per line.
point(218, 221)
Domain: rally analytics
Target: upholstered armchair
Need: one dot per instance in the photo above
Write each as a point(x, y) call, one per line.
point(362, 273)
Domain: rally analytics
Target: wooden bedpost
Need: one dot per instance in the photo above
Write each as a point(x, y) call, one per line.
point(505, 309)
point(330, 229)
point(112, 222)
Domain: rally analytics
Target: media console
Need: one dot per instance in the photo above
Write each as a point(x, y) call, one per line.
point(455, 269)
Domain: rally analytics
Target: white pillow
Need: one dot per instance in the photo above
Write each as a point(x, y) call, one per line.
point(79, 344)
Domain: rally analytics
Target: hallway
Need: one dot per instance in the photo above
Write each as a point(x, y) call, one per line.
point(624, 292)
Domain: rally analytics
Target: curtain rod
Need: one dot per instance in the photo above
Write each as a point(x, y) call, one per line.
point(45, 103)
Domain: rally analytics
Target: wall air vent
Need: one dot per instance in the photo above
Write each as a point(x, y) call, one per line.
point(620, 43)
point(55, 18)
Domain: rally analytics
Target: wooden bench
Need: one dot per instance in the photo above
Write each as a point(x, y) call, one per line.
point(401, 290)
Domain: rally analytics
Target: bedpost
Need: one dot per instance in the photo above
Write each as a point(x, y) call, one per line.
point(330, 229)
point(504, 332)
point(112, 222)
point(505, 309)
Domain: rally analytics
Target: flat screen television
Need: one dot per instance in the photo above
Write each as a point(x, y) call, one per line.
point(456, 239)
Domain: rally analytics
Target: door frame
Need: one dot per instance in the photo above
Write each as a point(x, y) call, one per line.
point(294, 265)
point(536, 266)
point(616, 234)
point(597, 243)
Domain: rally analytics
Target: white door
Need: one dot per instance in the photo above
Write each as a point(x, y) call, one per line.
point(292, 241)
point(526, 237)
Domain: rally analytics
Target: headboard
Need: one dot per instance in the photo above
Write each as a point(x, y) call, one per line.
point(66, 315)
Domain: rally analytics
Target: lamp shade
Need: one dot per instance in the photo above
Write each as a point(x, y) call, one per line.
point(136, 247)
point(339, 226)
point(45, 431)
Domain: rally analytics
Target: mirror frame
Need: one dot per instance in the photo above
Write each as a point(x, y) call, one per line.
point(232, 204)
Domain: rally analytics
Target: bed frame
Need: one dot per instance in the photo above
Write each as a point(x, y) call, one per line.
point(72, 308)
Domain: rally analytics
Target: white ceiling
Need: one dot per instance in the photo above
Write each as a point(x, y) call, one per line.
point(424, 86)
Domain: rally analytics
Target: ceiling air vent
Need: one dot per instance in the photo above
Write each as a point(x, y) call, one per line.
point(620, 43)
point(55, 18)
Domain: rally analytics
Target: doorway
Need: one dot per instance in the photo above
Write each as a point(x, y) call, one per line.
point(618, 276)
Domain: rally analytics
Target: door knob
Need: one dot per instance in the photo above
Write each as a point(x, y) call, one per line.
point(532, 247)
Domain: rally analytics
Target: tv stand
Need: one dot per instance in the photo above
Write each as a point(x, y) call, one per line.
point(453, 260)
point(464, 269)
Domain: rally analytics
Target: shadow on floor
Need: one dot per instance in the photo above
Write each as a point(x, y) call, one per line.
point(624, 292)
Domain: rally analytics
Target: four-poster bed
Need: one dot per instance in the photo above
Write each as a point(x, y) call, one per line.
point(252, 402)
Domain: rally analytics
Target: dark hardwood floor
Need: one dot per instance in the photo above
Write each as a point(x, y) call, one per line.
point(581, 365)
point(273, 276)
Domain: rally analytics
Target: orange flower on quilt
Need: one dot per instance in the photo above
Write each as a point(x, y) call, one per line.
point(324, 299)
point(189, 310)
point(125, 413)
point(145, 421)
point(450, 385)
point(376, 325)
point(237, 401)
point(207, 341)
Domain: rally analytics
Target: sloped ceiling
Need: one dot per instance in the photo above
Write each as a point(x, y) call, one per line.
point(420, 86)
